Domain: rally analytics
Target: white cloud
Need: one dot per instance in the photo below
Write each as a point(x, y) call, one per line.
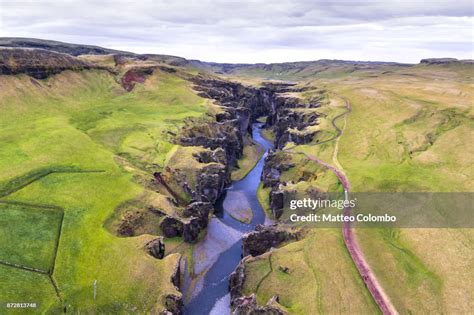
point(253, 30)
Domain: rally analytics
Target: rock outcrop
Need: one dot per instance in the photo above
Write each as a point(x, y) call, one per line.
point(217, 156)
point(247, 305)
point(199, 210)
point(133, 76)
point(265, 237)
point(275, 164)
point(39, 63)
point(173, 304)
point(243, 103)
point(188, 228)
point(191, 230)
point(156, 248)
point(225, 135)
point(174, 301)
point(223, 140)
point(211, 182)
point(237, 280)
point(277, 202)
point(172, 226)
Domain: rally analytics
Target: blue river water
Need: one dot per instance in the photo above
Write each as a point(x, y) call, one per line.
point(213, 297)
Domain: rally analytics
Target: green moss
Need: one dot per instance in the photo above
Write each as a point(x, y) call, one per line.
point(251, 155)
point(263, 196)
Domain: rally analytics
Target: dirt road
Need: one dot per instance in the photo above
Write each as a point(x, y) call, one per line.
point(369, 278)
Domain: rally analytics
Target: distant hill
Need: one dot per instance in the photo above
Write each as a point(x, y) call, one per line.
point(324, 68)
point(440, 61)
point(67, 48)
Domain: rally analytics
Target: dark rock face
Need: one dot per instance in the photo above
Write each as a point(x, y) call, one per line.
point(174, 302)
point(300, 138)
point(39, 63)
point(191, 230)
point(176, 275)
point(160, 179)
point(211, 182)
point(217, 156)
point(156, 248)
point(224, 135)
point(247, 305)
point(200, 210)
point(265, 237)
point(283, 116)
point(237, 280)
point(242, 103)
point(275, 163)
point(188, 228)
point(171, 226)
point(287, 119)
point(271, 177)
point(277, 202)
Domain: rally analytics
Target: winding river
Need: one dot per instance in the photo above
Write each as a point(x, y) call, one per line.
point(219, 253)
point(217, 256)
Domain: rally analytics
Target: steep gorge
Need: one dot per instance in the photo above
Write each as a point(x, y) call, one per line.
point(210, 147)
point(224, 138)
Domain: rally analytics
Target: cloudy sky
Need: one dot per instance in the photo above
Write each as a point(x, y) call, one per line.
point(254, 30)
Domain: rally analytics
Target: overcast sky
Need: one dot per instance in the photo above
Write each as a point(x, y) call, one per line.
point(253, 30)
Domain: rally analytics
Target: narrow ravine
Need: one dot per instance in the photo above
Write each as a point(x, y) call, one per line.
point(218, 254)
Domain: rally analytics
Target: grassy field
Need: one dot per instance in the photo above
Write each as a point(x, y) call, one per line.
point(84, 121)
point(410, 129)
point(413, 134)
point(77, 152)
point(29, 235)
point(321, 277)
point(30, 287)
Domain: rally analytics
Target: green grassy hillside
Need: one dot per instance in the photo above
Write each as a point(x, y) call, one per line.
point(409, 130)
point(54, 132)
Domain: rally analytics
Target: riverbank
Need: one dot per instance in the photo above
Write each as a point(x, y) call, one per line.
point(219, 253)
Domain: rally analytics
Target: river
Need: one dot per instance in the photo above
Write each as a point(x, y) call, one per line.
point(219, 253)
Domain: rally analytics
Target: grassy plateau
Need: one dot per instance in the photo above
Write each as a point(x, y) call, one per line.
point(410, 130)
point(77, 145)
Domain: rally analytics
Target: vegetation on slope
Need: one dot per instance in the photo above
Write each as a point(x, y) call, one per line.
point(53, 129)
point(409, 130)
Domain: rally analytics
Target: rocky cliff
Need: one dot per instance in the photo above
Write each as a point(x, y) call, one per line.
point(214, 145)
point(39, 63)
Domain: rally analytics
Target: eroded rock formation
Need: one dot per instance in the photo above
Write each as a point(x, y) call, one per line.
point(247, 305)
point(156, 248)
point(39, 63)
point(174, 302)
point(265, 237)
point(199, 210)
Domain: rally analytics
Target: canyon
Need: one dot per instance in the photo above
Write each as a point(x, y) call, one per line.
point(132, 159)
